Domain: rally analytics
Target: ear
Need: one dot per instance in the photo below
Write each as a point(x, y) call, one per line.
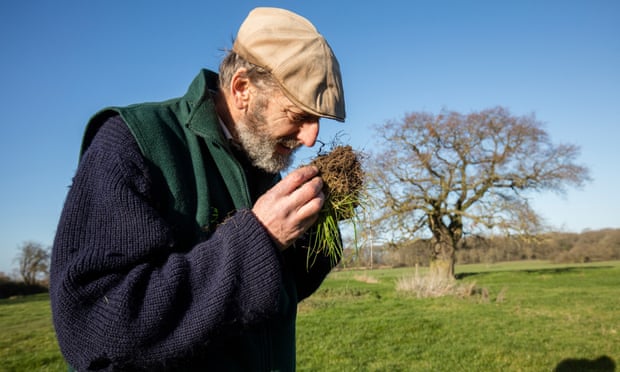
point(240, 89)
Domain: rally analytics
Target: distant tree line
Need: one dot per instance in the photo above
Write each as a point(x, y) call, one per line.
point(558, 247)
point(11, 287)
point(33, 262)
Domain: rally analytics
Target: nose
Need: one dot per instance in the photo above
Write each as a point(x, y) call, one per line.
point(308, 133)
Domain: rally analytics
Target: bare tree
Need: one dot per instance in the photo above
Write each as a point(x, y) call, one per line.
point(441, 177)
point(33, 262)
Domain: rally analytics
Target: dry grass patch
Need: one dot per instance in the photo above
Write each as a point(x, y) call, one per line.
point(428, 286)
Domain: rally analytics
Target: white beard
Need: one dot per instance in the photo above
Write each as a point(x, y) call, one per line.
point(261, 147)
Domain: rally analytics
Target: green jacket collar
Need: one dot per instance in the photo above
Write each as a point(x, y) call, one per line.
point(202, 118)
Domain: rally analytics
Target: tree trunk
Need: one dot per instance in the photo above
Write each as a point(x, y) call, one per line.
point(443, 244)
point(442, 268)
point(442, 261)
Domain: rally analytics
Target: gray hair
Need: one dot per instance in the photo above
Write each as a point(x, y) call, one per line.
point(260, 77)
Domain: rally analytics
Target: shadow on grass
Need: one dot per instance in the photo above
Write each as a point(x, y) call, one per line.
point(601, 364)
point(550, 270)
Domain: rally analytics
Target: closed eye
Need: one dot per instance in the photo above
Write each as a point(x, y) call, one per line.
point(301, 117)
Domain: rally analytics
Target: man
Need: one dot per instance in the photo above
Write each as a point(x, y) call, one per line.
point(179, 246)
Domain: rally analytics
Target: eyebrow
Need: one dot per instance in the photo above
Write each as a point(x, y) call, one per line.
point(301, 114)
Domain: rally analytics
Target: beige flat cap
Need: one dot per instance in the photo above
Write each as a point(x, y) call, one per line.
point(299, 58)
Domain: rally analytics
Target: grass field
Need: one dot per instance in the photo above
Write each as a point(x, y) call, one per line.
point(27, 342)
point(526, 316)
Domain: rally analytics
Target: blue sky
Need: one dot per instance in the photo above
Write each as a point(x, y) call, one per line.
point(64, 60)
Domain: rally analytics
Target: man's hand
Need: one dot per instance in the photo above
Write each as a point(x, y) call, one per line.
point(289, 208)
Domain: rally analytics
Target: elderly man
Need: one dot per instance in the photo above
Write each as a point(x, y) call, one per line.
point(179, 246)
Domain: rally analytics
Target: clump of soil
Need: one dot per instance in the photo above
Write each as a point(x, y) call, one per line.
point(343, 178)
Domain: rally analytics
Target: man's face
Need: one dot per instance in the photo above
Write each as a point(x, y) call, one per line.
point(273, 129)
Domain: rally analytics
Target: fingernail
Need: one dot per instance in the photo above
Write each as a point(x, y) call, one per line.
point(320, 185)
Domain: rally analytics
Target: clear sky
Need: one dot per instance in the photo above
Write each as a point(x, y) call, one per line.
point(63, 60)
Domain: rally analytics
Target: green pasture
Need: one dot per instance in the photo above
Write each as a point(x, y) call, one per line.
point(523, 316)
point(27, 341)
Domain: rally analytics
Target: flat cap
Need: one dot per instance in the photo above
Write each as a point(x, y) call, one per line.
point(297, 56)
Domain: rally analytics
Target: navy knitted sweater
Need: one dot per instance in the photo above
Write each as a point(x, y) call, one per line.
point(126, 296)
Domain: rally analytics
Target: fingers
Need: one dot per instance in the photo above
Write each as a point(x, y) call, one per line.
point(292, 206)
point(295, 179)
point(309, 198)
